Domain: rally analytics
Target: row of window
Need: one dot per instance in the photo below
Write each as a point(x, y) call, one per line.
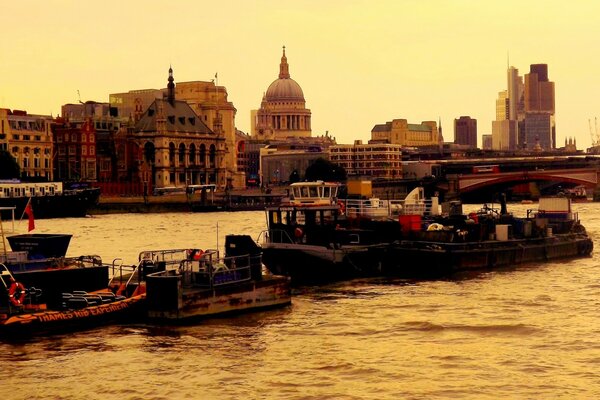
point(28, 125)
point(37, 138)
point(73, 137)
point(26, 150)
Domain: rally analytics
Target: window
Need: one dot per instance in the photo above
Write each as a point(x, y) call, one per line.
point(83, 137)
point(91, 138)
point(92, 150)
point(84, 150)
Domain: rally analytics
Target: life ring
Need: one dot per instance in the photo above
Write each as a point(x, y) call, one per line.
point(341, 206)
point(197, 254)
point(298, 233)
point(16, 293)
point(194, 254)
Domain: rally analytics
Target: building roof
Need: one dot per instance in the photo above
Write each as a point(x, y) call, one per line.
point(284, 88)
point(382, 127)
point(179, 117)
point(419, 127)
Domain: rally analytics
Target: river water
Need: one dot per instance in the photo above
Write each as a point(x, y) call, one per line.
point(527, 332)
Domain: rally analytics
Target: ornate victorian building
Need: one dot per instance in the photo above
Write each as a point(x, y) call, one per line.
point(283, 111)
point(28, 138)
point(176, 148)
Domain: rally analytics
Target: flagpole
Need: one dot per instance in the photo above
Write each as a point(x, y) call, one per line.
point(25, 209)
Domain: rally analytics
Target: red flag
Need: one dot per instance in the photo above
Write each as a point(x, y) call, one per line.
point(29, 212)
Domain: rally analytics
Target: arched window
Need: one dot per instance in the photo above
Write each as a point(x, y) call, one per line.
point(181, 153)
point(202, 155)
point(212, 156)
point(171, 153)
point(149, 152)
point(192, 155)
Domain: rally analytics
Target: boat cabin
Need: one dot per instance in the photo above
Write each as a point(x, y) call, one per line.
point(316, 193)
point(12, 189)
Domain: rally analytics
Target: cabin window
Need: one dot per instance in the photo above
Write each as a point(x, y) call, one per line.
point(313, 191)
point(327, 192)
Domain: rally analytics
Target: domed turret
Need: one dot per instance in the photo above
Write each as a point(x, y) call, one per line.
point(282, 112)
point(284, 88)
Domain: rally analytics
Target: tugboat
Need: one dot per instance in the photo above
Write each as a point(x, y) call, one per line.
point(188, 284)
point(315, 237)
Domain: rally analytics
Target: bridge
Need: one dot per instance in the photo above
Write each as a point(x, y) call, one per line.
point(484, 178)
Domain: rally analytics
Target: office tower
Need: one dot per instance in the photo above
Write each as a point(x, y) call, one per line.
point(465, 131)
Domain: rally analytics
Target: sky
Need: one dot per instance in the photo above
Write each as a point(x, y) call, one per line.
point(359, 63)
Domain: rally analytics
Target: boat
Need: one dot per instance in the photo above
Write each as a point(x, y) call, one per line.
point(188, 284)
point(47, 199)
point(316, 238)
point(490, 238)
point(39, 260)
point(27, 311)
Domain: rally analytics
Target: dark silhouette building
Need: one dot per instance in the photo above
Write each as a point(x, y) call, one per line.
point(465, 131)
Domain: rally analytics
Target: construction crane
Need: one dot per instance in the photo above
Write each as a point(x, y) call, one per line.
point(594, 134)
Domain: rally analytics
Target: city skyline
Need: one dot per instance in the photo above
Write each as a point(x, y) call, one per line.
point(358, 63)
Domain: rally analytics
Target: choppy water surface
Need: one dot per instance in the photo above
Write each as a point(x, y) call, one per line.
point(528, 332)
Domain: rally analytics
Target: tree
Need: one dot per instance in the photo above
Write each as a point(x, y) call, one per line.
point(325, 170)
point(9, 168)
point(294, 176)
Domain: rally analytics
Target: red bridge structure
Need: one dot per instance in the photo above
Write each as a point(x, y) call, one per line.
point(483, 178)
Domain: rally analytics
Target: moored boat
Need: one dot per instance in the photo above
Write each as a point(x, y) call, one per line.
point(317, 238)
point(26, 310)
point(47, 199)
point(202, 284)
point(39, 260)
point(490, 239)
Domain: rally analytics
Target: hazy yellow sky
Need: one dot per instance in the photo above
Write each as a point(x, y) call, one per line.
point(359, 63)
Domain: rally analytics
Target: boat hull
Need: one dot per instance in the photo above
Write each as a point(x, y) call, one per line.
point(306, 264)
point(432, 259)
point(168, 301)
point(56, 321)
point(69, 204)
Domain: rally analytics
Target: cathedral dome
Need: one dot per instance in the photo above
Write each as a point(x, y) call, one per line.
point(284, 88)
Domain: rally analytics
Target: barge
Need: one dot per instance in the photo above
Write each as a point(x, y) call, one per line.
point(316, 237)
point(490, 239)
point(194, 284)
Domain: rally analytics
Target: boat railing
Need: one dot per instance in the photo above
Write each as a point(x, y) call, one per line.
point(209, 272)
point(169, 258)
point(274, 236)
point(377, 208)
point(122, 274)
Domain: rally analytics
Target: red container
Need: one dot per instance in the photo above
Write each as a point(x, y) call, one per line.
point(410, 223)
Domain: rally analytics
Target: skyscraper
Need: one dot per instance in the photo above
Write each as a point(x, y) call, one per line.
point(465, 131)
point(538, 125)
